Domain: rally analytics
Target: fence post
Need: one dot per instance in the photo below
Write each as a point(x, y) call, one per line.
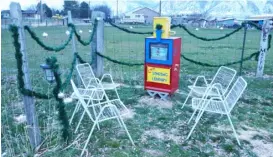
point(73, 43)
point(243, 50)
point(267, 25)
point(97, 45)
point(32, 120)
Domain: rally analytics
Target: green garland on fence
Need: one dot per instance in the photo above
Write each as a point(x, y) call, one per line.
point(19, 59)
point(189, 32)
point(207, 39)
point(61, 47)
point(255, 54)
point(127, 30)
point(52, 61)
point(21, 86)
point(42, 44)
point(80, 59)
point(68, 78)
point(226, 64)
point(84, 43)
point(118, 62)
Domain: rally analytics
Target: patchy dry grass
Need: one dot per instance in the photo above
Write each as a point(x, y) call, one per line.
point(158, 127)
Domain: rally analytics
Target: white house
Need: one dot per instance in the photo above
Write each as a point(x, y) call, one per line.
point(139, 15)
point(133, 18)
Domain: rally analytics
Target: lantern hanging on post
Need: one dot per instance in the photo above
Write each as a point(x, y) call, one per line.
point(49, 75)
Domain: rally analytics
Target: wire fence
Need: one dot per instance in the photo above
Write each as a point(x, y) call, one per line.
point(123, 58)
point(14, 129)
point(202, 49)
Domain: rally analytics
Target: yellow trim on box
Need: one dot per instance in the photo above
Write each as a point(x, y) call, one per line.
point(158, 75)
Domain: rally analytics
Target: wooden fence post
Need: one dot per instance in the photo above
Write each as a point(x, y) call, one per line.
point(29, 106)
point(74, 49)
point(97, 45)
point(267, 26)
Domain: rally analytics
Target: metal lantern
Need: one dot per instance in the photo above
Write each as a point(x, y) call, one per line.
point(49, 75)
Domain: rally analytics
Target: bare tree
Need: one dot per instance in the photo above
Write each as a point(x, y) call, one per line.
point(31, 7)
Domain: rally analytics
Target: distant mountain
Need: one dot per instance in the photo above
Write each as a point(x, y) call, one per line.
point(210, 8)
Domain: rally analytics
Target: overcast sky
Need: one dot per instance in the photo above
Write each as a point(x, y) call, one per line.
point(57, 4)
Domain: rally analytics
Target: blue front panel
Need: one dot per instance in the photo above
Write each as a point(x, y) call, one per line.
point(159, 52)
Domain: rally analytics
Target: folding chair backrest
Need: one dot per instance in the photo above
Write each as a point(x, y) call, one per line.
point(87, 75)
point(224, 76)
point(83, 103)
point(235, 93)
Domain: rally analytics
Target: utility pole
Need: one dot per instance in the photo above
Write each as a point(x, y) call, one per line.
point(89, 15)
point(159, 7)
point(117, 8)
point(41, 11)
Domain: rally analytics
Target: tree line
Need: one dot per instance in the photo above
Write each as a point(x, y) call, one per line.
point(82, 10)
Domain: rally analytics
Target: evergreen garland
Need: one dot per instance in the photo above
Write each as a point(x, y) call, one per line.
point(80, 59)
point(226, 64)
point(118, 62)
point(127, 30)
point(42, 44)
point(206, 39)
point(158, 26)
point(84, 43)
point(52, 61)
point(19, 60)
point(68, 78)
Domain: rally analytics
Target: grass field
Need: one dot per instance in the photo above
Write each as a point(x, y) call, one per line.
point(158, 128)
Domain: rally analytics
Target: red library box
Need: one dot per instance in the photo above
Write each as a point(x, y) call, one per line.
point(162, 65)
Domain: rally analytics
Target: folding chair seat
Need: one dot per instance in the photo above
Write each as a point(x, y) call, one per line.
point(86, 94)
point(213, 105)
point(222, 79)
point(89, 81)
point(94, 97)
point(221, 104)
point(199, 91)
point(106, 111)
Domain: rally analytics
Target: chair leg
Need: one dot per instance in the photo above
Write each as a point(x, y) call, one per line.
point(196, 122)
point(236, 136)
point(192, 115)
point(117, 93)
point(119, 122)
point(122, 122)
point(199, 114)
point(89, 136)
point(74, 112)
point(186, 100)
point(95, 113)
point(79, 122)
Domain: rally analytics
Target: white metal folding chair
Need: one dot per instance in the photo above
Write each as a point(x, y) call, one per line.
point(106, 111)
point(223, 78)
point(94, 97)
point(219, 103)
point(89, 79)
point(89, 95)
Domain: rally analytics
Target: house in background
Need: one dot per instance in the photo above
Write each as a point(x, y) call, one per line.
point(140, 15)
point(5, 14)
point(26, 14)
point(133, 18)
point(228, 23)
point(30, 14)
